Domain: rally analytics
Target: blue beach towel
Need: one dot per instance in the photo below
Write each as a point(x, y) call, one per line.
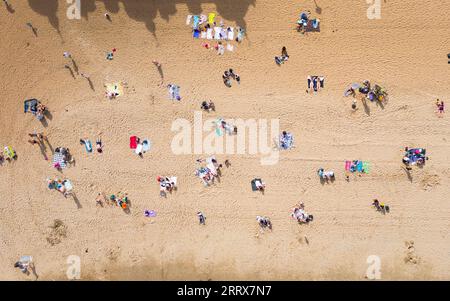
point(359, 167)
point(196, 22)
point(196, 33)
point(88, 145)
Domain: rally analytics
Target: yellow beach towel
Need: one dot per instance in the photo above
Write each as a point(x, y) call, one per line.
point(211, 17)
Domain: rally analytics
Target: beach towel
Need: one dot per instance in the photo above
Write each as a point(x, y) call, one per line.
point(223, 34)
point(114, 88)
point(313, 25)
point(150, 213)
point(359, 166)
point(196, 22)
point(30, 105)
point(138, 149)
point(173, 180)
point(203, 35)
point(231, 34)
point(209, 33)
point(196, 33)
point(219, 131)
point(203, 19)
point(88, 145)
point(8, 152)
point(230, 47)
point(146, 145)
point(58, 161)
point(366, 167)
point(68, 185)
point(133, 142)
point(174, 92)
point(188, 19)
point(253, 183)
point(240, 35)
point(348, 164)
point(211, 17)
point(217, 31)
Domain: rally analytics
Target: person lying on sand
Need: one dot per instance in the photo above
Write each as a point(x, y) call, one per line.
point(99, 145)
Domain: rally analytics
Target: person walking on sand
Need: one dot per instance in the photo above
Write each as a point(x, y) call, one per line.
point(201, 218)
point(67, 55)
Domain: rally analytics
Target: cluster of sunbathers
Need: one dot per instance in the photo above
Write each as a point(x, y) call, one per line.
point(208, 106)
point(209, 172)
point(88, 145)
point(286, 140)
point(264, 222)
point(315, 83)
point(414, 156)
point(61, 157)
point(35, 107)
point(9, 154)
point(63, 186)
point(372, 93)
point(203, 27)
point(301, 215)
point(305, 23)
point(121, 200)
point(166, 184)
point(228, 75)
point(174, 92)
point(381, 207)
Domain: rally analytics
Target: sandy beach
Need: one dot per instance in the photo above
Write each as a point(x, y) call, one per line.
point(405, 51)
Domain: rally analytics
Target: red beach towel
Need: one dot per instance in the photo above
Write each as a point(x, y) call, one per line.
point(133, 142)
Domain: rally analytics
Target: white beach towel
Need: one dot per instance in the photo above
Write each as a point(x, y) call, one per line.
point(139, 148)
point(188, 19)
point(209, 33)
point(203, 35)
point(173, 180)
point(217, 31)
point(230, 47)
point(231, 34)
point(203, 19)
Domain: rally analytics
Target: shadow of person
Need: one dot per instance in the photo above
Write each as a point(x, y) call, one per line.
point(75, 66)
point(10, 9)
point(408, 173)
point(318, 9)
point(161, 73)
point(76, 200)
point(33, 271)
point(48, 114)
point(366, 107)
point(91, 85)
point(44, 122)
point(71, 71)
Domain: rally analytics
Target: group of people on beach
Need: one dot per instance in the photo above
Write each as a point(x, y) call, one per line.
point(228, 75)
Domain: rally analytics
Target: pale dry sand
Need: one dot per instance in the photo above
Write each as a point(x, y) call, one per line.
point(405, 51)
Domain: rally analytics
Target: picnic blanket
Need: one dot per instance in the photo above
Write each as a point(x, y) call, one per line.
point(211, 17)
point(58, 161)
point(114, 88)
point(133, 142)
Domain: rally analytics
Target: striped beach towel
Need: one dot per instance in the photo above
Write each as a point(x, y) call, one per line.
point(58, 161)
